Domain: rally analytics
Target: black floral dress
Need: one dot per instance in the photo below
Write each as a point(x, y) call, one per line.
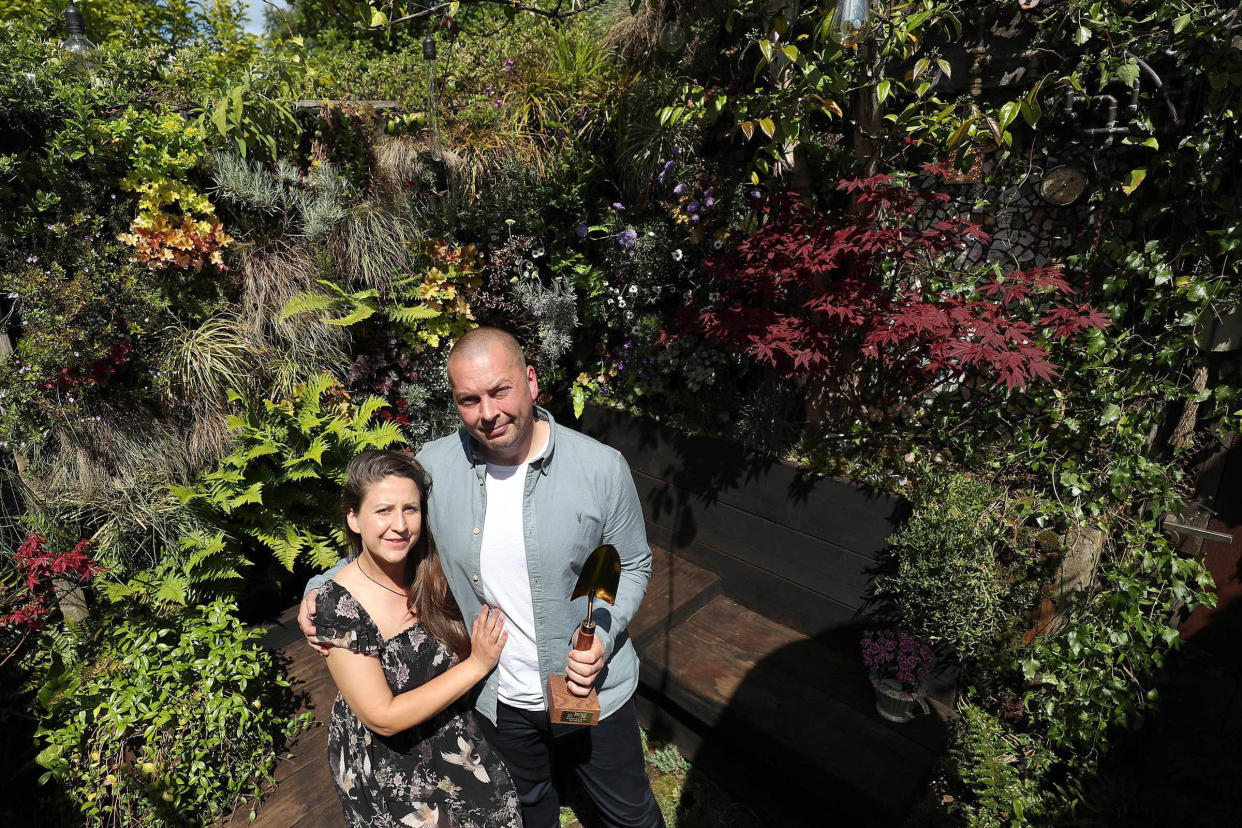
point(440, 774)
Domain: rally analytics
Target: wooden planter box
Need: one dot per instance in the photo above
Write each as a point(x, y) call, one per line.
point(800, 549)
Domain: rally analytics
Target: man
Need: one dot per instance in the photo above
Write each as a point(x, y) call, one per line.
point(517, 503)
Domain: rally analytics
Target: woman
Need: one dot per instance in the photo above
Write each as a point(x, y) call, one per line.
point(403, 744)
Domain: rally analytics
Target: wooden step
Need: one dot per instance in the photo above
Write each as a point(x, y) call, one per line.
point(677, 589)
point(765, 693)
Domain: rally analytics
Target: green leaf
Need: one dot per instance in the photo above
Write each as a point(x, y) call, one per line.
point(237, 104)
point(768, 126)
point(1082, 35)
point(220, 116)
point(414, 313)
point(1111, 414)
point(1007, 113)
point(1180, 23)
point(1031, 111)
point(304, 303)
point(881, 90)
point(959, 134)
point(765, 48)
point(1133, 179)
point(1128, 73)
point(579, 394)
point(361, 312)
point(378, 18)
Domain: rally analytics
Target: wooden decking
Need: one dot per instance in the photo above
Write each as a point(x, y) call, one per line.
point(745, 693)
point(304, 794)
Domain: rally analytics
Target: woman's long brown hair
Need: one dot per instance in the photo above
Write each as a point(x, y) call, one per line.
point(430, 599)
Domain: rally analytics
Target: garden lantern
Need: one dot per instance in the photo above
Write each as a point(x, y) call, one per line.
point(76, 45)
point(851, 22)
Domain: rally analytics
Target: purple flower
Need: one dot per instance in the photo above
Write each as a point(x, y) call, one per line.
point(679, 189)
point(693, 207)
point(708, 199)
point(668, 166)
point(499, 102)
point(627, 237)
point(508, 65)
point(582, 231)
point(618, 206)
point(756, 194)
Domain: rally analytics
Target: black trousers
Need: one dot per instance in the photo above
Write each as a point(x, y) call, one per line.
point(607, 758)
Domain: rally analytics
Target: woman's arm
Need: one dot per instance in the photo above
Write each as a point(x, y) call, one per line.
point(360, 678)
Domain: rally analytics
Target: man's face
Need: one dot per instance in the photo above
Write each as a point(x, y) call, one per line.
point(495, 396)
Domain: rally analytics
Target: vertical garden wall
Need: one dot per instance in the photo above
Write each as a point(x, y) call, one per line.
point(984, 256)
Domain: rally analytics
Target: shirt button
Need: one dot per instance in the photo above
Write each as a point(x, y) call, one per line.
point(476, 579)
point(476, 530)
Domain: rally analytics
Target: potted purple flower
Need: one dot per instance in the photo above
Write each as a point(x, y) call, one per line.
point(897, 662)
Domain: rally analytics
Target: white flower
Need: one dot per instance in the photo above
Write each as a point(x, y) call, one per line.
point(633, 291)
point(678, 255)
point(717, 244)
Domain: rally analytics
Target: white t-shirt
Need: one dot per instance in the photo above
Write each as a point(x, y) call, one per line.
point(506, 584)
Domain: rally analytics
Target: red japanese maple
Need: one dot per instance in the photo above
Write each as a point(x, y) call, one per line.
point(37, 566)
point(880, 290)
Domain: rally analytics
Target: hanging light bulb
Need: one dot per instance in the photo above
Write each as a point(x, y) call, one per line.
point(851, 22)
point(76, 46)
point(672, 33)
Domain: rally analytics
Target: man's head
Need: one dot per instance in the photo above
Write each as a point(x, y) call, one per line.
point(495, 393)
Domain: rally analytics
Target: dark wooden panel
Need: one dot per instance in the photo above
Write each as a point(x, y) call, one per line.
point(821, 567)
point(835, 511)
point(677, 589)
point(788, 602)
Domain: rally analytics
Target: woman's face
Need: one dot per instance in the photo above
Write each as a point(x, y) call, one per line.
point(389, 519)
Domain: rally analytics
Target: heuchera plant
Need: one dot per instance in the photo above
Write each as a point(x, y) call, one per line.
point(876, 288)
point(896, 654)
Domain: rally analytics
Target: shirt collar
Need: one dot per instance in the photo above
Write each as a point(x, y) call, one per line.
point(479, 463)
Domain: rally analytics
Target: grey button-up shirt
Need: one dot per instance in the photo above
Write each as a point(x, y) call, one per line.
point(579, 494)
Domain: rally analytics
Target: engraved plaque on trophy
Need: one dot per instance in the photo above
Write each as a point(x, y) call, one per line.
point(600, 576)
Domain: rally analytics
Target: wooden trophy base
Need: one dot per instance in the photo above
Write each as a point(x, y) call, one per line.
point(566, 708)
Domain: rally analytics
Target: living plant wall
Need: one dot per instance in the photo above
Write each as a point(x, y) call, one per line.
point(983, 255)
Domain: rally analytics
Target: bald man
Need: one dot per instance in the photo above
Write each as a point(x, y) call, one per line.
point(517, 503)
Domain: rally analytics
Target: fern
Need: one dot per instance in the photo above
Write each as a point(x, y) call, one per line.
point(197, 568)
point(280, 487)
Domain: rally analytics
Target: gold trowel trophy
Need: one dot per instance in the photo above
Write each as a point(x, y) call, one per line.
point(599, 578)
